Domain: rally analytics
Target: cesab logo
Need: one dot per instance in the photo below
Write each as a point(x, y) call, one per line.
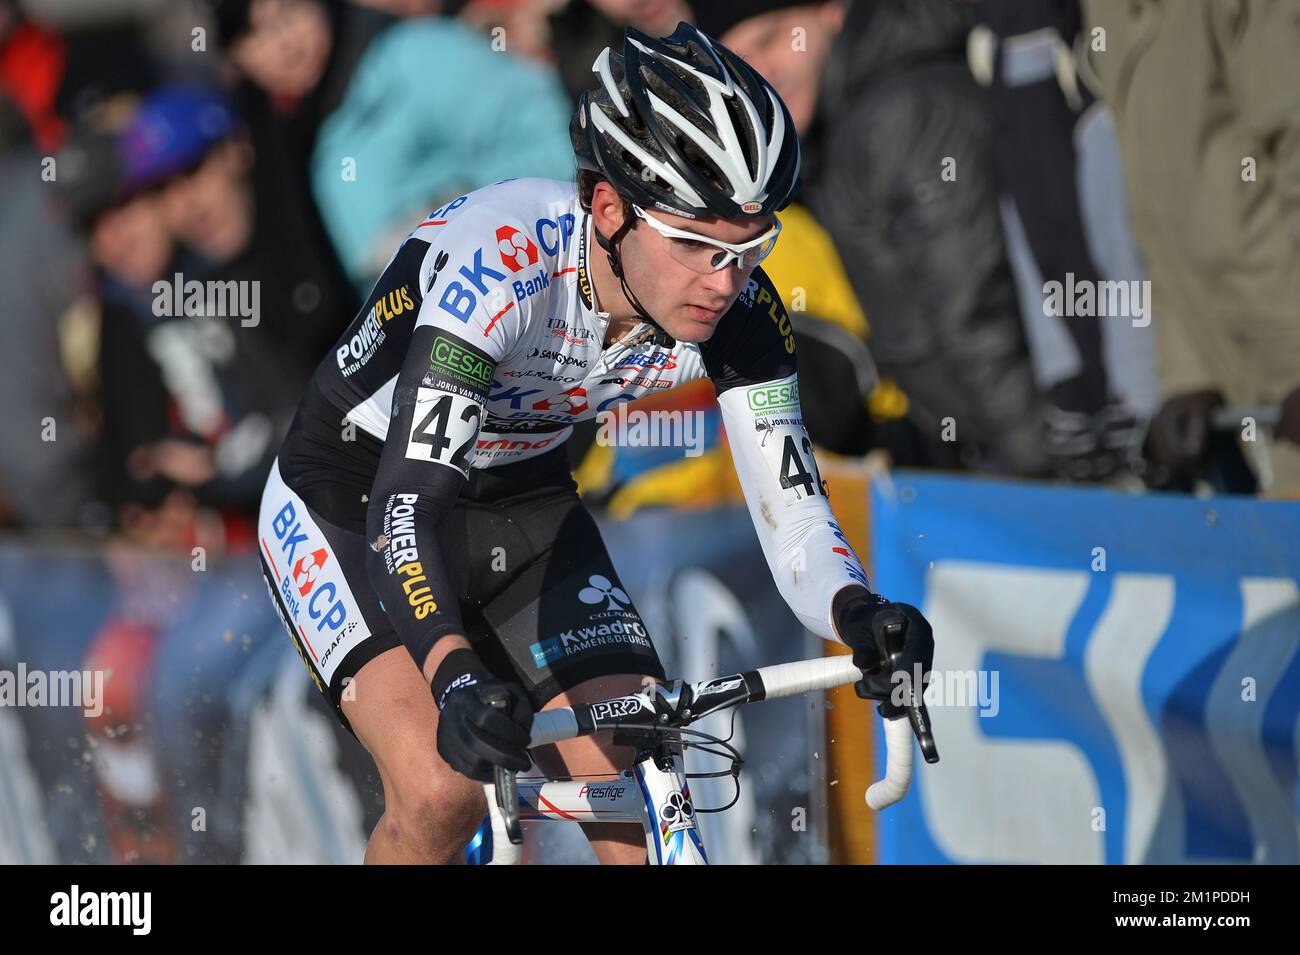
point(517, 250)
point(573, 401)
point(308, 569)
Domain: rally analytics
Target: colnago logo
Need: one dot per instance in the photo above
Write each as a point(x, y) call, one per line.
point(361, 347)
point(399, 526)
point(459, 362)
point(621, 708)
point(534, 373)
point(600, 587)
point(517, 250)
point(661, 360)
point(324, 605)
point(771, 399)
point(677, 811)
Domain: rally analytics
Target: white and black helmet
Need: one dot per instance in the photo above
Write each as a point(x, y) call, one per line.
point(685, 125)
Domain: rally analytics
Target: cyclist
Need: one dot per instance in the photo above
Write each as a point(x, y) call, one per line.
point(421, 534)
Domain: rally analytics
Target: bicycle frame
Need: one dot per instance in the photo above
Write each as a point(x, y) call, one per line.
point(655, 792)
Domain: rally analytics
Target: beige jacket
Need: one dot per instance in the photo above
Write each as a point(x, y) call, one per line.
point(1202, 90)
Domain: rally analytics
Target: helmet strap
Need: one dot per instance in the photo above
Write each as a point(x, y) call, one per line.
point(612, 251)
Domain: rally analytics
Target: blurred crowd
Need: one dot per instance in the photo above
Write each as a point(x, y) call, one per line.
point(1036, 238)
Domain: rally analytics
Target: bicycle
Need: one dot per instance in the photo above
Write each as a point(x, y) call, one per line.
point(655, 792)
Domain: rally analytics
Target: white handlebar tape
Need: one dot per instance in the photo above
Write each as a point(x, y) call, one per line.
point(791, 679)
point(898, 766)
point(551, 726)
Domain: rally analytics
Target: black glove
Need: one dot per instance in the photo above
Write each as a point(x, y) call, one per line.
point(1178, 436)
point(1288, 427)
point(871, 625)
point(484, 722)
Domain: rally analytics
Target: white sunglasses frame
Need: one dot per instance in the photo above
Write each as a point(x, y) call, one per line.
point(734, 252)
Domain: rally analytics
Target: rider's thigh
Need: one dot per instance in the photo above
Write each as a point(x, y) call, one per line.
point(596, 753)
point(393, 714)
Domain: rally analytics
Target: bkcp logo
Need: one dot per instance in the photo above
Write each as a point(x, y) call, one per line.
point(517, 250)
point(573, 401)
point(326, 605)
point(305, 574)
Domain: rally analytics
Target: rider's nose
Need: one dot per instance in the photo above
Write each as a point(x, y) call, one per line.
point(725, 283)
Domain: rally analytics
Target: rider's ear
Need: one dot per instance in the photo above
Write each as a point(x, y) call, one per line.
point(608, 208)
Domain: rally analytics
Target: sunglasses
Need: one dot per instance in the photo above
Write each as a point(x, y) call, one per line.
point(699, 253)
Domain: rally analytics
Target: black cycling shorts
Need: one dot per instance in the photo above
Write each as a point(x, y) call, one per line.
point(540, 598)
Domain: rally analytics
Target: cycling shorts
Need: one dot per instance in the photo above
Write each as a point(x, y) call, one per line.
point(541, 601)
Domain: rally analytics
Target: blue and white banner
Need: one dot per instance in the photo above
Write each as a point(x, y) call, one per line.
point(1116, 676)
point(206, 742)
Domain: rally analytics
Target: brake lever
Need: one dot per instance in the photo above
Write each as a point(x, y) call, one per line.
point(894, 629)
point(507, 791)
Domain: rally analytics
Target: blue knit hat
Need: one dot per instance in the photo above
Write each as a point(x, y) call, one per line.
point(174, 128)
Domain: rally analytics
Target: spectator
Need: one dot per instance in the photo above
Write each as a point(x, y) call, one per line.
point(412, 112)
point(1206, 99)
point(517, 26)
point(194, 400)
point(32, 61)
point(1022, 53)
point(885, 101)
point(580, 29)
point(45, 446)
point(293, 61)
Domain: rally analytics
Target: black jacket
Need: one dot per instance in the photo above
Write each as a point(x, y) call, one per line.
point(898, 109)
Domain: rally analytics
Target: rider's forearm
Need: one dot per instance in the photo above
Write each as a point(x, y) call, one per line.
point(810, 558)
point(407, 567)
point(415, 489)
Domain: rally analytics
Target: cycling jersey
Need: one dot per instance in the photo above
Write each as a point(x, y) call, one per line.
point(479, 348)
